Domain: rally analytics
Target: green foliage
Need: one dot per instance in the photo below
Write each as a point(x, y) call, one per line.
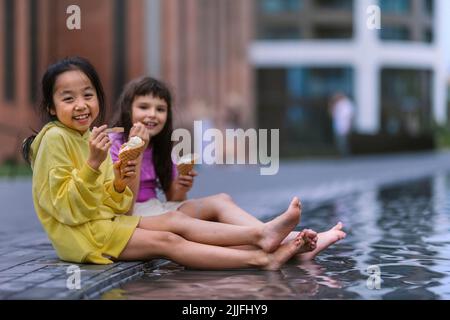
point(11, 168)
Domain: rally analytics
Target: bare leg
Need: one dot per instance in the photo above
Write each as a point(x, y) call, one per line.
point(222, 208)
point(266, 236)
point(146, 245)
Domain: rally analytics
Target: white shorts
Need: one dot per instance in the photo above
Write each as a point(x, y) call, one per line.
point(155, 207)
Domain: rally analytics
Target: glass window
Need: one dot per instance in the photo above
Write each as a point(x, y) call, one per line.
point(406, 101)
point(395, 33)
point(296, 101)
point(324, 82)
point(395, 6)
point(277, 6)
point(429, 7)
point(287, 19)
point(334, 4)
point(280, 33)
point(296, 82)
point(333, 32)
point(428, 36)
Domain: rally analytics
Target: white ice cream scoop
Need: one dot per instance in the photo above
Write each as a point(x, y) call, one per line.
point(133, 142)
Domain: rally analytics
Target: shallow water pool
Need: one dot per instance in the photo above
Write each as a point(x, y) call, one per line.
point(400, 232)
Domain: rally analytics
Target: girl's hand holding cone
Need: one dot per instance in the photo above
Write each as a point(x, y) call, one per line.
point(129, 158)
point(131, 150)
point(124, 174)
point(184, 182)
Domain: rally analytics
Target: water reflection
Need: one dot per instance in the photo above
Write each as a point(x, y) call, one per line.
point(402, 229)
point(406, 220)
point(294, 281)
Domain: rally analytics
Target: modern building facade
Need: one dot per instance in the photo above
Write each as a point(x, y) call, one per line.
point(255, 63)
point(306, 50)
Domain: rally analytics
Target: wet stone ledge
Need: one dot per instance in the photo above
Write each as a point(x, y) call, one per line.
point(30, 269)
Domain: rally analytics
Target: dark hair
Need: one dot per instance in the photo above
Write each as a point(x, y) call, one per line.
point(48, 84)
point(162, 142)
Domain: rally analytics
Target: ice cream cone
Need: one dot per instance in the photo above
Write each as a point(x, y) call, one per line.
point(129, 153)
point(186, 164)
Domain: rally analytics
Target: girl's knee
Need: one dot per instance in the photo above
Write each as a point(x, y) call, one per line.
point(175, 215)
point(224, 197)
point(169, 239)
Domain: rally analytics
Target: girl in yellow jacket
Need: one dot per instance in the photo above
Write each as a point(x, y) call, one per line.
point(81, 198)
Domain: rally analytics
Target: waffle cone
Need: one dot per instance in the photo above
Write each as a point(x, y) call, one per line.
point(130, 154)
point(184, 168)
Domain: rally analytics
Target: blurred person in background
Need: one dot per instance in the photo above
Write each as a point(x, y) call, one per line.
point(342, 111)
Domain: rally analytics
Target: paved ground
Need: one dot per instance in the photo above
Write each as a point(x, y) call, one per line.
point(29, 268)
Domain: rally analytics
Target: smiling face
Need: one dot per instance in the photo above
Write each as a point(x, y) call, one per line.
point(151, 111)
point(75, 100)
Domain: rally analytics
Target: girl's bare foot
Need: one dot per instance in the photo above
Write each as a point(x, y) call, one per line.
point(276, 230)
point(284, 252)
point(325, 239)
point(310, 238)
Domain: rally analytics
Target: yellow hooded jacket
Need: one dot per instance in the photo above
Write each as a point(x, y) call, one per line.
point(77, 205)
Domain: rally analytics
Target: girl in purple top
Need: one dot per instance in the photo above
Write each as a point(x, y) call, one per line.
point(145, 110)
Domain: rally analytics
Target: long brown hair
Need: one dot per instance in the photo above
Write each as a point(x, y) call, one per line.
point(161, 143)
